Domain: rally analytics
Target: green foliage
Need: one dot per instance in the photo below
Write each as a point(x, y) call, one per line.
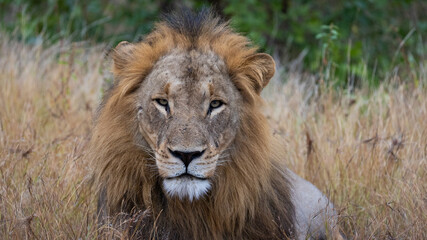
point(253, 18)
point(78, 20)
point(328, 37)
point(348, 44)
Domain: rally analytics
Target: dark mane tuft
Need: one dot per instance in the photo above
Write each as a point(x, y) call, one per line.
point(193, 24)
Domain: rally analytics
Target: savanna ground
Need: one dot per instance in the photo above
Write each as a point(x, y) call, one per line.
point(367, 150)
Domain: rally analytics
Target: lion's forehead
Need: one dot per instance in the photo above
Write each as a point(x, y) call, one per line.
point(191, 71)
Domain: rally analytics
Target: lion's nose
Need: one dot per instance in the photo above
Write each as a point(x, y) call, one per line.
point(186, 157)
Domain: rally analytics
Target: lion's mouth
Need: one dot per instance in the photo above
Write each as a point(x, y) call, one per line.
point(186, 186)
point(186, 176)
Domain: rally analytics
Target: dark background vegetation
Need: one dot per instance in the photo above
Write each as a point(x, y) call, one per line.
point(346, 44)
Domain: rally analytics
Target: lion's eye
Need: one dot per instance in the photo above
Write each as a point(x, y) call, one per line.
point(215, 104)
point(162, 102)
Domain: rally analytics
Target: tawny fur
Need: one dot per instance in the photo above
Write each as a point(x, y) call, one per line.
point(251, 195)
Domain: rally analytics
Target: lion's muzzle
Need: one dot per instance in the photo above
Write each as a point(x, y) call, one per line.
point(186, 172)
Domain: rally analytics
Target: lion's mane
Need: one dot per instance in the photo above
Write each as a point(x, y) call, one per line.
point(250, 197)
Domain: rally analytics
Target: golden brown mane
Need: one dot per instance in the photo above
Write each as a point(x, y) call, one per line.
point(250, 198)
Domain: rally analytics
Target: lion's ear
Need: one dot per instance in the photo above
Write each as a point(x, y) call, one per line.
point(122, 55)
point(260, 68)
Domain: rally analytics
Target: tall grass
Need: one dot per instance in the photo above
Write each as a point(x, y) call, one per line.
point(368, 153)
point(47, 97)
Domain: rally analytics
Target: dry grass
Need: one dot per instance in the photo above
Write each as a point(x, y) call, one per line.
point(369, 155)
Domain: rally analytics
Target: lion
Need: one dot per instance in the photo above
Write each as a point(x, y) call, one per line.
point(180, 149)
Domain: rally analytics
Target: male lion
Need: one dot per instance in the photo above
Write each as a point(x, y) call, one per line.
point(181, 149)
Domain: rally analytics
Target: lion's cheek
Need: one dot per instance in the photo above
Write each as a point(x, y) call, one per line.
point(163, 172)
point(152, 124)
point(147, 134)
point(225, 139)
point(223, 131)
point(211, 171)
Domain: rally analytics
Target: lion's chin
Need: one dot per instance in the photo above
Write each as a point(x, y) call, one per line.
point(186, 187)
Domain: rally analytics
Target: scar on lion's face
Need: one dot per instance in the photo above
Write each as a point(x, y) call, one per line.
point(187, 107)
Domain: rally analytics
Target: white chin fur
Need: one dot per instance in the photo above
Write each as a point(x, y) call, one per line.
point(186, 187)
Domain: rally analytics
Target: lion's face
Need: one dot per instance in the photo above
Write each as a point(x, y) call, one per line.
point(188, 113)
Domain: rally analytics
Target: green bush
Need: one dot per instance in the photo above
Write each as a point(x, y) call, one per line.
point(347, 44)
